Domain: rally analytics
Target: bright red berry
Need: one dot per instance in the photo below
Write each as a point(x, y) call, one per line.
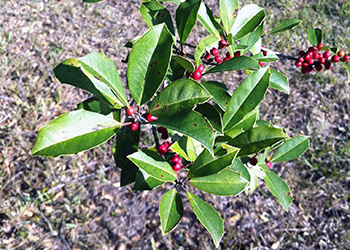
point(176, 159)
point(222, 44)
point(327, 65)
point(206, 55)
point(314, 48)
point(310, 61)
point(237, 54)
point(133, 126)
point(150, 117)
point(197, 75)
point(253, 161)
point(130, 111)
point(335, 58)
point(341, 53)
point(315, 56)
point(346, 58)
point(320, 45)
point(200, 68)
point(162, 149)
point(298, 64)
point(264, 52)
point(177, 167)
point(214, 52)
point(326, 54)
point(228, 55)
point(304, 64)
point(218, 58)
point(268, 164)
point(301, 59)
point(261, 64)
point(322, 60)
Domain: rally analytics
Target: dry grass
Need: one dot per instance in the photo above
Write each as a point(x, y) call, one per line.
point(93, 212)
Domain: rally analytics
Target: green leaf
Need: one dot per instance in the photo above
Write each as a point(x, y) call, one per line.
point(256, 48)
point(175, 71)
point(347, 67)
point(225, 183)
point(170, 211)
point(154, 13)
point(94, 104)
point(74, 132)
point(149, 61)
point(228, 13)
point(252, 38)
point(126, 143)
point(256, 139)
point(291, 149)
point(246, 97)
point(248, 19)
point(187, 64)
point(246, 123)
point(144, 181)
point(186, 17)
point(241, 168)
point(236, 63)
point(180, 95)
point(189, 123)
point(219, 93)
point(203, 46)
point(204, 165)
point(206, 17)
point(286, 25)
point(208, 216)
point(315, 36)
point(212, 115)
point(279, 189)
point(187, 148)
point(279, 81)
point(154, 165)
point(270, 57)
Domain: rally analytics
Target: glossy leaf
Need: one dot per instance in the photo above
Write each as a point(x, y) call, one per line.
point(175, 71)
point(212, 115)
point(206, 17)
point(149, 61)
point(248, 19)
point(180, 95)
point(256, 139)
point(286, 25)
point(155, 13)
point(94, 104)
point(246, 123)
point(154, 165)
point(187, 148)
point(126, 143)
point(228, 13)
point(186, 17)
point(291, 149)
point(203, 46)
point(315, 36)
point(219, 93)
point(252, 38)
point(279, 189)
point(189, 123)
point(185, 63)
point(225, 183)
point(246, 97)
point(144, 181)
point(256, 48)
point(74, 132)
point(236, 63)
point(241, 168)
point(208, 216)
point(279, 81)
point(170, 211)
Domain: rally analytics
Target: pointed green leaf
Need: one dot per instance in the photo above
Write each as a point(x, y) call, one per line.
point(154, 165)
point(279, 189)
point(175, 71)
point(241, 168)
point(246, 123)
point(291, 149)
point(236, 63)
point(144, 181)
point(206, 17)
point(286, 25)
point(208, 216)
point(228, 13)
point(219, 93)
point(225, 183)
point(315, 36)
point(279, 81)
point(252, 38)
point(74, 132)
point(246, 97)
point(187, 148)
point(154, 13)
point(187, 64)
point(248, 19)
point(256, 139)
point(94, 104)
point(186, 17)
point(149, 61)
point(212, 115)
point(189, 123)
point(204, 45)
point(170, 211)
point(182, 94)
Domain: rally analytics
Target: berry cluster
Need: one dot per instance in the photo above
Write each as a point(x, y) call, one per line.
point(197, 74)
point(312, 59)
point(253, 161)
point(130, 112)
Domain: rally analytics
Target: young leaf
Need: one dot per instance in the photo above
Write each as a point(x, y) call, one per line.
point(187, 64)
point(170, 211)
point(205, 44)
point(149, 62)
point(154, 165)
point(186, 17)
point(248, 19)
point(219, 93)
point(279, 189)
point(144, 181)
point(154, 13)
point(315, 36)
point(291, 149)
point(256, 139)
point(212, 115)
point(246, 97)
point(187, 148)
point(236, 63)
point(206, 17)
point(228, 13)
point(74, 132)
point(286, 25)
point(279, 81)
point(208, 216)
point(225, 183)
point(180, 95)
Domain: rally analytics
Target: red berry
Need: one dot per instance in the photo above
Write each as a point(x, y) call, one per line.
point(341, 53)
point(176, 159)
point(200, 68)
point(261, 64)
point(222, 44)
point(197, 75)
point(335, 58)
point(166, 144)
point(162, 130)
point(188, 74)
point(301, 59)
point(304, 64)
point(228, 55)
point(237, 54)
point(165, 135)
point(268, 164)
point(253, 161)
point(301, 53)
point(315, 56)
point(214, 52)
point(162, 149)
point(327, 65)
point(134, 126)
point(226, 59)
point(298, 64)
point(326, 54)
point(322, 60)
point(265, 53)
point(318, 66)
point(320, 45)
point(346, 58)
point(206, 55)
point(314, 48)
point(150, 117)
point(310, 61)
point(218, 58)
point(177, 167)
point(130, 111)
point(307, 57)
point(304, 70)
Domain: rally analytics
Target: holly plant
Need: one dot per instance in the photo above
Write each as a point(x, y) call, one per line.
point(202, 136)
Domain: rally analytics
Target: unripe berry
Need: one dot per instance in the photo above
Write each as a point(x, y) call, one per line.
point(261, 64)
point(197, 75)
point(327, 65)
point(335, 58)
point(134, 126)
point(237, 54)
point(200, 68)
point(218, 59)
point(150, 117)
point(341, 53)
point(130, 111)
point(162, 149)
point(177, 167)
point(214, 52)
point(346, 58)
point(326, 54)
point(268, 164)
point(320, 45)
point(253, 161)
